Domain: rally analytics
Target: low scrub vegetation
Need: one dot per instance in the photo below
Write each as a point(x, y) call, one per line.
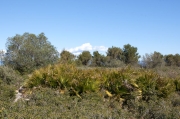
point(67, 91)
point(125, 83)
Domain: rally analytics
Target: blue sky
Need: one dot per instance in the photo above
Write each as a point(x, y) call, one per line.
point(76, 25)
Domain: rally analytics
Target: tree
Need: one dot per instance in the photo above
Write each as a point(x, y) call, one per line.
point(153, 60)
point(85, 57)
point(177, 59)
point(130, 55)
point(114, 57)
point(27, 52)
point(169, 59)
point(66, 56)
point(115, 53)
point(172, 60)
point(98, 59)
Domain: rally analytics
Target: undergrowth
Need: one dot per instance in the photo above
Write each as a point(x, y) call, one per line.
point(65, 91)
point(126, 83)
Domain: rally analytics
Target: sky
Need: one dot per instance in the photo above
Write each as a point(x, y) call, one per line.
point(77, 25)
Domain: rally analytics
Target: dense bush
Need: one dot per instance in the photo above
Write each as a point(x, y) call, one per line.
point(125, 83)
point(9, 76)
point(163, 108)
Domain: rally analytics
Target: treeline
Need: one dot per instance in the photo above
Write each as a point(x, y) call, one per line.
point(115, 57)
point(29, 51)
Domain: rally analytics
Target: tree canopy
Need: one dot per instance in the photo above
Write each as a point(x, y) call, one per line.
point(130, 55)
point(85, 57)
point(66, 56)
point(172, 60)
point(98, 59)
point(27, 52)
point(115, 53)
point(153, 60)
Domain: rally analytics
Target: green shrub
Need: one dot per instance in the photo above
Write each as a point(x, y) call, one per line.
point(9, 76)
point(127, 83)
point(7, 92)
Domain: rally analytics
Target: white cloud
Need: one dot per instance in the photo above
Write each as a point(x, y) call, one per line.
point(100, 48)
point(76, 53)
point(88, 47)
